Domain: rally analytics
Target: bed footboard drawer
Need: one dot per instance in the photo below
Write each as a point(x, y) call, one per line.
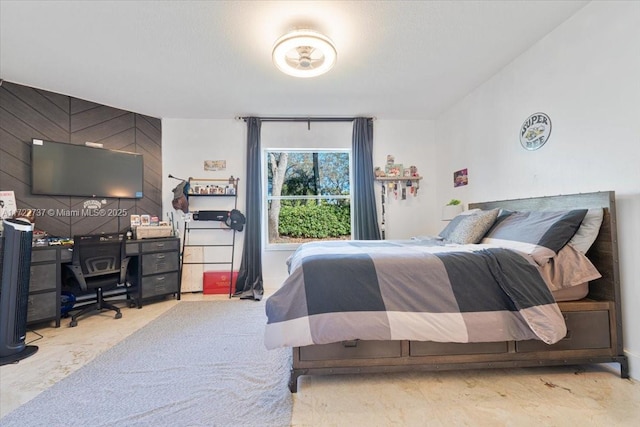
point(355, 349)
point(585, 329)
point(431, 348)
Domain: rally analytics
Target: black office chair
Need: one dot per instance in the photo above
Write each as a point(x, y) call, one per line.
point(98, 263)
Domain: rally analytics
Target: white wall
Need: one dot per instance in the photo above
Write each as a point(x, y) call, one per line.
point(586, 76)
point(186, 143)
point(412, 143)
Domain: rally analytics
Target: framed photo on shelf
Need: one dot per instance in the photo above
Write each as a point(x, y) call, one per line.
point(394, 169)
point(135, 220)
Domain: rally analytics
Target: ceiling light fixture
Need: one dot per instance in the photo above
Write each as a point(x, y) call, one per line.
point(304, 53)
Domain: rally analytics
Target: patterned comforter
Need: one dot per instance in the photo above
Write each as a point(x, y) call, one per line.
point(410, 290)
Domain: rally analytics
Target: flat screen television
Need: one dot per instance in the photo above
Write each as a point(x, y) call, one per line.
point(60, 169)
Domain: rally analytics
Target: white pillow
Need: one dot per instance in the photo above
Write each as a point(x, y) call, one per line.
point(588, 231)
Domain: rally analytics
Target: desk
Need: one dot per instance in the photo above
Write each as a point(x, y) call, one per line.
point(154, 271)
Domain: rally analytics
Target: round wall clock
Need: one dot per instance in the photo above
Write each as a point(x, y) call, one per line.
point(535, 131)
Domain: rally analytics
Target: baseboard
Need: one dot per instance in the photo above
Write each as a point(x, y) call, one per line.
point(634, 365)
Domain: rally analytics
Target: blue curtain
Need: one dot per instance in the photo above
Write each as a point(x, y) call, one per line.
point(250, 284)
point(365, 215)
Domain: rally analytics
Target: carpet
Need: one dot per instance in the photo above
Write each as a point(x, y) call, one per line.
point(198, 364)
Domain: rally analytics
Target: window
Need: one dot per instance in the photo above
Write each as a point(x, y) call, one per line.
point(307, 196)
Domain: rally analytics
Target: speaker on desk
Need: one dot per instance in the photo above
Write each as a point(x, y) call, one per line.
point(15, 267)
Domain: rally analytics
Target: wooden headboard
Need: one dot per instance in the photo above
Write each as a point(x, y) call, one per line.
point(603, 252)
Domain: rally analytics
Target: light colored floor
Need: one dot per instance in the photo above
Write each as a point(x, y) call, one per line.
point(558, 396)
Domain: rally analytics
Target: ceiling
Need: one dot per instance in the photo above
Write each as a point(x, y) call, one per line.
point(212, 59)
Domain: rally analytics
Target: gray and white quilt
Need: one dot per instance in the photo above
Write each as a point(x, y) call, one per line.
point(410, 290)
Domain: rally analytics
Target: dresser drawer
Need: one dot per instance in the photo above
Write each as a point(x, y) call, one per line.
point(160, 262)
point(160, 245)
point(159, 284)
point(41, 307)
point(585, 329)
point(43, 276)
point(351, 350)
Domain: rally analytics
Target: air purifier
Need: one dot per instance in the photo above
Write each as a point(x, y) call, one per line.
point(15, 265)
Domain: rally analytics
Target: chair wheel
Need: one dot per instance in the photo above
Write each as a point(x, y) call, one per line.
point(73, 323)
point(118, 315)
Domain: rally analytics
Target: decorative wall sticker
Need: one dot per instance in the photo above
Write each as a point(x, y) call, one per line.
point(535, 131)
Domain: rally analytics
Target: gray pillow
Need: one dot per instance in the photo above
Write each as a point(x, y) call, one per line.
point(472, 228)
point(450, 228)
point(539, 234)
point(454, 223)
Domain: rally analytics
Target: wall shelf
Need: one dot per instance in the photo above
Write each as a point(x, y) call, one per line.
point(227, 188)
point(398, 178)
point(211, 195)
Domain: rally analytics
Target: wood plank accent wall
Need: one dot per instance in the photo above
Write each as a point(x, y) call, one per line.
point(27, 113)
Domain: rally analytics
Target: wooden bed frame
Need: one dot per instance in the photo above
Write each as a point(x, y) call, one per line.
point(594, 324)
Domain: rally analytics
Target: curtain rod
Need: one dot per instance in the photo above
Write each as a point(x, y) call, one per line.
point(302, 119)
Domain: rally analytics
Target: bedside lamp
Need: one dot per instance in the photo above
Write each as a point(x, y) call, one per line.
point(450, 211)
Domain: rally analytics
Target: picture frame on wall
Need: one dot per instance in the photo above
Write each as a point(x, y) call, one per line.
point(460, 178)
point(215, 165)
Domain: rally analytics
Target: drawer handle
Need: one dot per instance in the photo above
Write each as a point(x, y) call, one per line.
point(350, 343)
point(160, 245)
point(160, 279)
point(161, 256)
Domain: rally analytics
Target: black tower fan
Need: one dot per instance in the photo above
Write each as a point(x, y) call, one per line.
point(15, 266)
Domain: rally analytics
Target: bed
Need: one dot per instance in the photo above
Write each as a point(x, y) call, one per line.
point(336, 321)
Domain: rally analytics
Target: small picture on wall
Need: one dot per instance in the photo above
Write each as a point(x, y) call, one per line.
point(460, 178)
point(215, 165)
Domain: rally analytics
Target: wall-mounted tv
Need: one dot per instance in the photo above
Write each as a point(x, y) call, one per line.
point(60, 169)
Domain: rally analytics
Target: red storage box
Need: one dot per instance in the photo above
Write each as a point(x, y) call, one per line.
point(217, 282)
